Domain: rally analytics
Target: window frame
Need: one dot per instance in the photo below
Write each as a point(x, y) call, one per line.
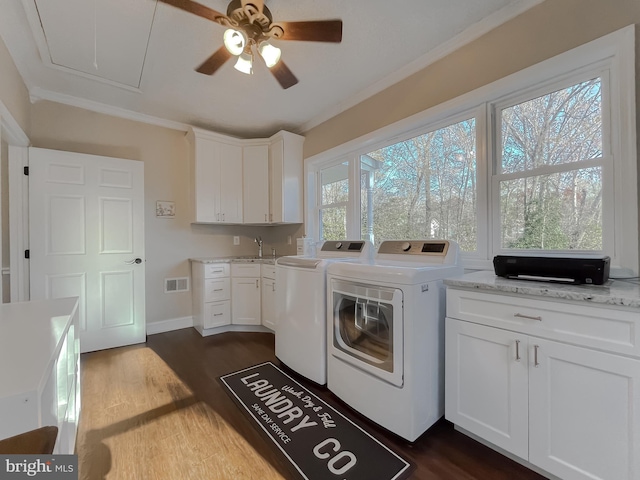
point(605, 161)
point(613, 56)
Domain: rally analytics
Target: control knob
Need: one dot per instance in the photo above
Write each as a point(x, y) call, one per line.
point(406, 246)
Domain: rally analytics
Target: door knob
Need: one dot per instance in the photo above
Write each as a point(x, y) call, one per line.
point(135, 260)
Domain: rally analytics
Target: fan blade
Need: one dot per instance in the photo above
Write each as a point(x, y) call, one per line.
point(312, 31)
point(214, 62)
point(284, 76)
point(197, 9)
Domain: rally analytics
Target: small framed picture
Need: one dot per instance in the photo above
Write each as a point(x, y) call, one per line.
point(165, 209)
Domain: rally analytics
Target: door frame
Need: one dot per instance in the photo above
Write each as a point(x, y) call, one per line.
point(18, 142)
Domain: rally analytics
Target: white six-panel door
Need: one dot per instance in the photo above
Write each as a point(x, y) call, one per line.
point(86, 231)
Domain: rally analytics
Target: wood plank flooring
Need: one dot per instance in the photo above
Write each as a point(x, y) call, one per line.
point(157, 411)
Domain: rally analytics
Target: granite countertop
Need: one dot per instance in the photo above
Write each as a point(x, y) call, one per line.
point(263, 260)
point(624, 293)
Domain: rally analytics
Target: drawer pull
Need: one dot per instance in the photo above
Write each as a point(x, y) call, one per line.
point(217, 270)
point(535, 356)
point(218, 289)
point(217, 314)
point(530, 317)
point(517, 350)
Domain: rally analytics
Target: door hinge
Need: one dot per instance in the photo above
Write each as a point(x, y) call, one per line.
point(26, 254)
point(26, 170)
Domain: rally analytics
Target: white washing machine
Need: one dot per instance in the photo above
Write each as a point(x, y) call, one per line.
point(385, 332)
point(301, 302)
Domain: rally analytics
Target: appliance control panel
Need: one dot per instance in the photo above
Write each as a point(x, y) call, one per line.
point(415, 247)
point(354, 246)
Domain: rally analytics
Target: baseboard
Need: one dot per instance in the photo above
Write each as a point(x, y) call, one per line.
point(169, 325)
point(232, 328)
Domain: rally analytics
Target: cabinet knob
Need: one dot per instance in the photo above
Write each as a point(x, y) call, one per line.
point(536, 363)
point(517, 350)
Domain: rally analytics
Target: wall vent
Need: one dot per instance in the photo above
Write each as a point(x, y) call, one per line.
point(174, 285)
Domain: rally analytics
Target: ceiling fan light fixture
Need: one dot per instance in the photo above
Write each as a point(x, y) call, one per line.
point(269, 53)
point(235, 41)
point(244, 63)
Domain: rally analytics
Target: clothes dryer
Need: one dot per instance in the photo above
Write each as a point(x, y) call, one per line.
point(385, 333)
point(301, 332)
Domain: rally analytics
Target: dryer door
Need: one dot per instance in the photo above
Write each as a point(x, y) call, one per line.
point(367, 328)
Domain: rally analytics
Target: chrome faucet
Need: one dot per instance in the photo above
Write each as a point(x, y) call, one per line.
point(258, 240)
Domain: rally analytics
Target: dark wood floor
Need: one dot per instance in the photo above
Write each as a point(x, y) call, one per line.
point(188, 366)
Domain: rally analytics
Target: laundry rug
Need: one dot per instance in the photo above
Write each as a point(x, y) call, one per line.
point(319, 441)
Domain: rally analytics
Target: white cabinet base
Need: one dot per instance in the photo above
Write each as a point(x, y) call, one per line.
point(545, 381)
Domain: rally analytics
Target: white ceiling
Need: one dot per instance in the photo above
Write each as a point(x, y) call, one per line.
point(136, 58)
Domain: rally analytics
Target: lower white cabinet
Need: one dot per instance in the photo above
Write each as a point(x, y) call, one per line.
point(245, 294)
point(566, 407)
point(211, 295)
point(269, 296)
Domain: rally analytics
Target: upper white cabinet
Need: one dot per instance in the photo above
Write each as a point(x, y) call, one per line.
point(216, 175)
point(255, 181)
point(285, 174)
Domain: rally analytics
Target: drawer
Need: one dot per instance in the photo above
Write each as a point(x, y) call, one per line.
point(216, 289)
point(269, 271)
point(604, 327)
point(245, 269)
point(217, 314)
point(215, 270)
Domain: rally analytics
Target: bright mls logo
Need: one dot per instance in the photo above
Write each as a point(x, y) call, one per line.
point(51, 467)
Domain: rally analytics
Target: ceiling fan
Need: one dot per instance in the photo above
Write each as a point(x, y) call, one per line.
point(250, 27)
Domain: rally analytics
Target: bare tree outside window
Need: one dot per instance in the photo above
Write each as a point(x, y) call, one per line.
point(334, 192)
point(550, 177)
point(423, 187)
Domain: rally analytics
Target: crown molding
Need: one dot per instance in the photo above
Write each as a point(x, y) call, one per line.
point(36, 94)
point(470, 34)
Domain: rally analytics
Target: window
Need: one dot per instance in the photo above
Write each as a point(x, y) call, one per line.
point(423, 187)
point(542, 161)
point(334, 195)
point(550, 175)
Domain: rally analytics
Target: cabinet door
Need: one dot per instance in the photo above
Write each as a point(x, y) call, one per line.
point(206, 172)
point(245, 301)
point(486, 387)
point(584, 418)
point(285, 173)
point(269, 303)
point(255, 184)
point(230, 181)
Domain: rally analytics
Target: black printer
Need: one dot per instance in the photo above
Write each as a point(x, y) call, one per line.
point(590, 270)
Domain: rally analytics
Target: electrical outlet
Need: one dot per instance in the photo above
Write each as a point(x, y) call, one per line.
point(236, 240)
point(289, 240)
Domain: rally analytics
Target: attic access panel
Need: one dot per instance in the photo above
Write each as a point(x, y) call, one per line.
point(102, 38)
